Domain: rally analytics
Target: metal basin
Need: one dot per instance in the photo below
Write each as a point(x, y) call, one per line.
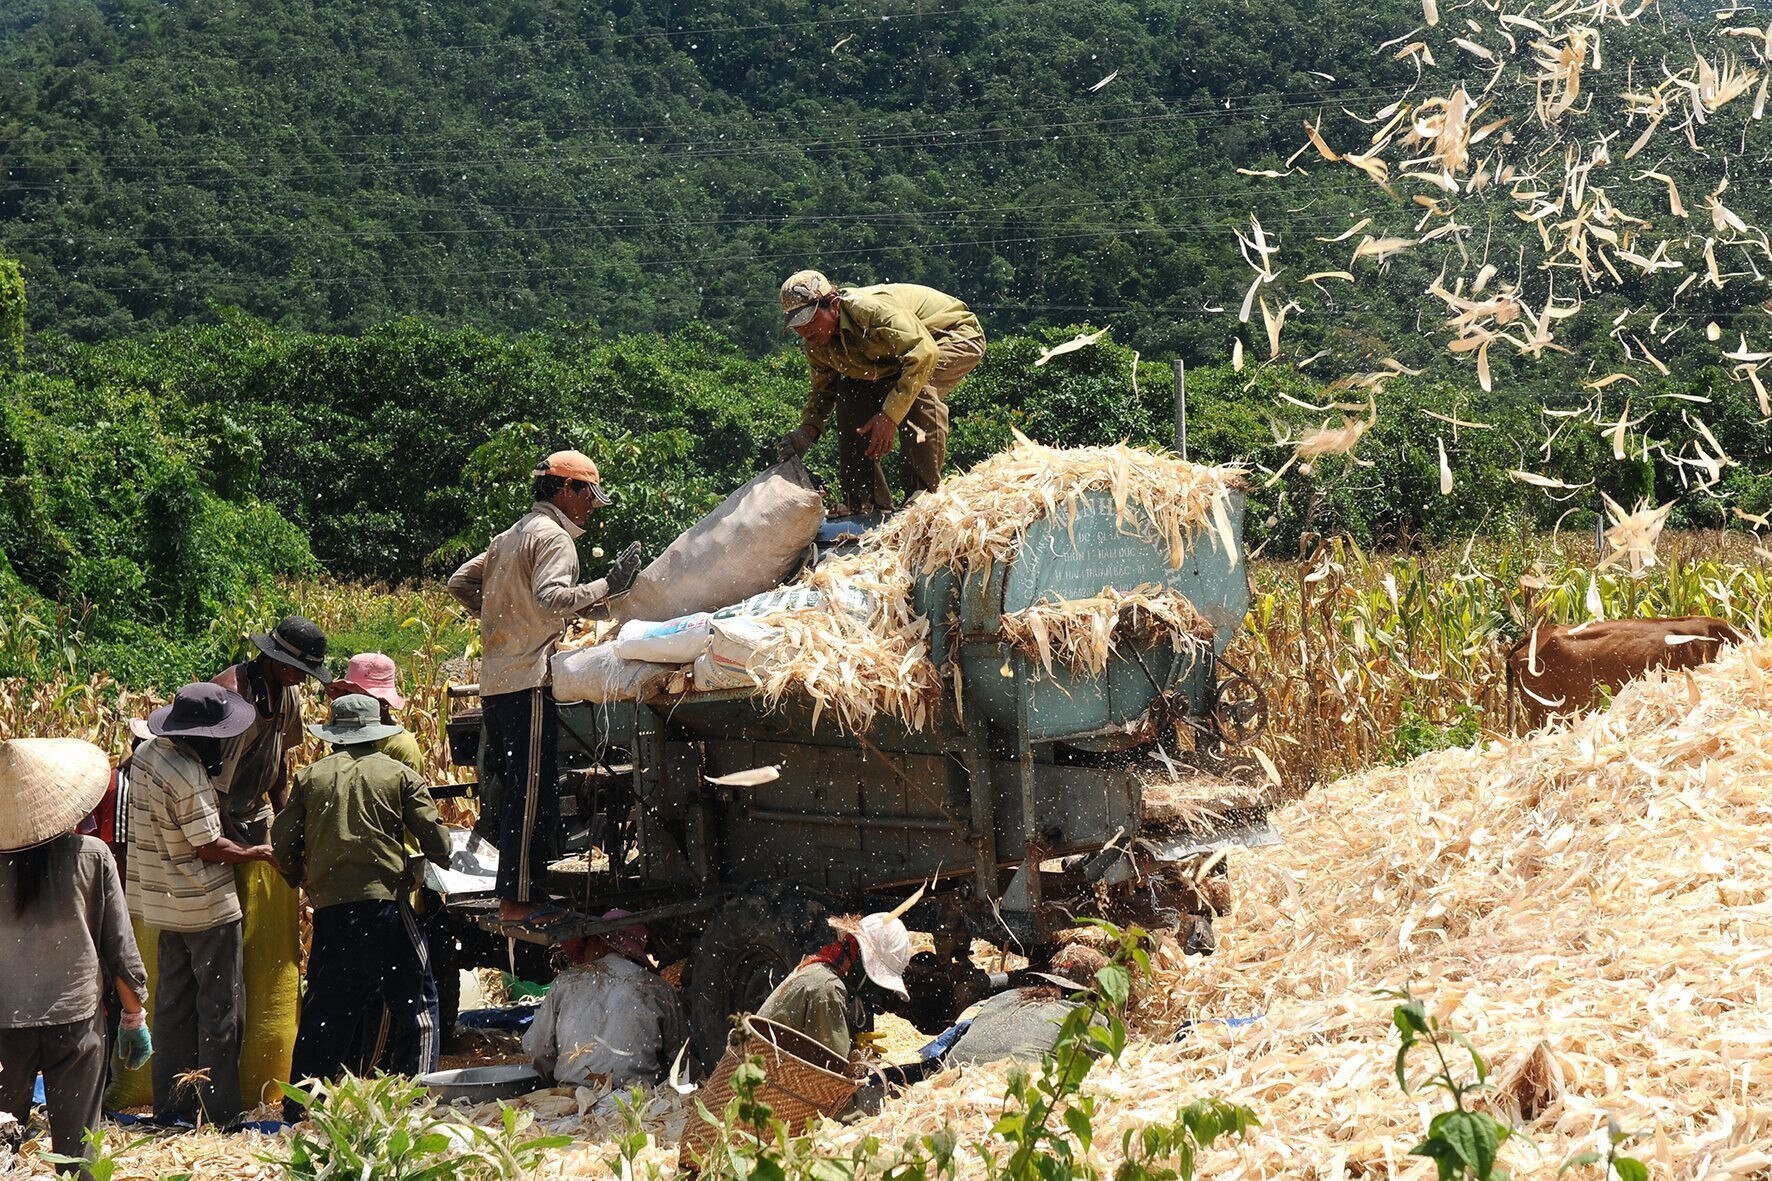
point(483, 1084)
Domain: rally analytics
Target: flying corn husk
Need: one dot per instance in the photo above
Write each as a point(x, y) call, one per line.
point(1080, 635)
point(1445, 468)
point(1633, 535)
point(1080, 341)
point(754, 777)
point(1538, 481)
point(1104, 82)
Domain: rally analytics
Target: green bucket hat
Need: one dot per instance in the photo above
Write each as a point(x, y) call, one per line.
point(356, 718)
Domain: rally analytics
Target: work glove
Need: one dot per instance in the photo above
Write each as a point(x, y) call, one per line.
point(134, 1045)
point(627, 568)
point(795, 443)
point(872, 1040)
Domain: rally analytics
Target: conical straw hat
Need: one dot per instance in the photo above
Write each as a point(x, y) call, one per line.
point(47, 785)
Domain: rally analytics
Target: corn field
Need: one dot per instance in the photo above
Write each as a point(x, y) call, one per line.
point(1363, 658)
point(1367, 659)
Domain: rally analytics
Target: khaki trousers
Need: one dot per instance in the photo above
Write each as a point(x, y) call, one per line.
point(922, 436)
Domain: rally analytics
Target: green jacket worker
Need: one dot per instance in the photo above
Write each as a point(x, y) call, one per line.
point(885, 358)
point(343, 835)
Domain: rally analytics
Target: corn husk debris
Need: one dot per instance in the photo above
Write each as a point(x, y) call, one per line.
point(1082, 634)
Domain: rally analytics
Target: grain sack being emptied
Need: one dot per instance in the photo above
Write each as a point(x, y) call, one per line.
point(749, 544)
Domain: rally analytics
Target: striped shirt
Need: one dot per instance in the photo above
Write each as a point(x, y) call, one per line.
point(173, 812)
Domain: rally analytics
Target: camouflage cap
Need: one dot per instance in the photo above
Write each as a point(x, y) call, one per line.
point(800, 296)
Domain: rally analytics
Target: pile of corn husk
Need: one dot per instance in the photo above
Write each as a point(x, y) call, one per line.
point(1082, 634)
point(859, 669)
point(1591, 907)
point(855, 665)
point(979, 519)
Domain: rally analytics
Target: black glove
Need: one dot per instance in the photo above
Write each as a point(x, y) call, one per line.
point(627, 568)
point(794, 444)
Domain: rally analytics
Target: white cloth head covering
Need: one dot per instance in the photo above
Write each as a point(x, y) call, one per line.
point(885, 951)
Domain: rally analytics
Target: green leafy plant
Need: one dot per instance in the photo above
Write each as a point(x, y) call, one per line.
point(1612, 1163)
point(1048, 1121)
point(1462, 1142)
point(390, 1129)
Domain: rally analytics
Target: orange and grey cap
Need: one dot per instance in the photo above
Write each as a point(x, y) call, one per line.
point(801, 294)
point(574, 465)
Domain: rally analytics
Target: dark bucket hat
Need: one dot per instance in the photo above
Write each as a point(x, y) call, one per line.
point(204, 710)
point(356, 718)
point(298, 642)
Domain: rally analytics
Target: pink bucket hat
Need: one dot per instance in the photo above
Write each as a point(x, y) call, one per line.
point(372, 673)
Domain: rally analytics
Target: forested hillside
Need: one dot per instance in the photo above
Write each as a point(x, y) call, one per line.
point(641, 165)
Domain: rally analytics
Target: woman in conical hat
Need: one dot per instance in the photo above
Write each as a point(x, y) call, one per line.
point(64, 931)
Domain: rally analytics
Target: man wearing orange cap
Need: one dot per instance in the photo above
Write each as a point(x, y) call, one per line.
point(886, 358)
point(525, 590)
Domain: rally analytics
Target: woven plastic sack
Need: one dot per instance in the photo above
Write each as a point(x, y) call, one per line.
point(749, 544)
point(675, 641)
point(599, 674)
point(271, 934)
point(271, 944)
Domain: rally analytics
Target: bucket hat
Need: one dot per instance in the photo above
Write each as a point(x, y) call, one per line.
point(356, 718)
point(372, 673)
point(47, 786)
point(204, 710)
point(575, 465)
point(800, 295)
point(298, 642)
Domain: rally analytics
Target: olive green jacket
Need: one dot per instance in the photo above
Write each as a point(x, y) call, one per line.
point(814, 1001)
point(888, 331)
point(345, 827)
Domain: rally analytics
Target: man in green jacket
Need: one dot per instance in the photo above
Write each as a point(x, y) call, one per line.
point(886, 358)
point(344, 831)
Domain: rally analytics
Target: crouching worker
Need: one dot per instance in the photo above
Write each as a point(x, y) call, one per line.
point(822, 998)
point(64, 933)
point(608, 1016)
point(343, 836)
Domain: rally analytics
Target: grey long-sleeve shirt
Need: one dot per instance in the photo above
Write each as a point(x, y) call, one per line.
point(74, 937)
point(525, 590)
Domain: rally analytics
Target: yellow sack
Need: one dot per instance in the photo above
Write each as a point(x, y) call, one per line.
point(267, 1042)
point(273, 981)
point(135, 1088)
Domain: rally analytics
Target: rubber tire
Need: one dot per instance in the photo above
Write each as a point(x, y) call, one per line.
point(748, 947)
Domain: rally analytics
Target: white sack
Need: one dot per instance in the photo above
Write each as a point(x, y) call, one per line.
point(736, 655)
point(749, 544)
point(675, 641)
point(600, 674)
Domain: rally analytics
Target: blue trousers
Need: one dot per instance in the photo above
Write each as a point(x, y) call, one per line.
point(524, 739)
point(366, 955)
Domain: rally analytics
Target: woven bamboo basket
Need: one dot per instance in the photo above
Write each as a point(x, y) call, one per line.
point(802, 1080)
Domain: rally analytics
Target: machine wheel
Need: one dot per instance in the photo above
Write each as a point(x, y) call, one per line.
point(748, 947)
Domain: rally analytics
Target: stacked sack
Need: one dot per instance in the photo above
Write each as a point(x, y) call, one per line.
point(681, 610)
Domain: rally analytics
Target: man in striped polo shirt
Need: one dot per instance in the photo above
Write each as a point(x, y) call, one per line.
point(181, 882)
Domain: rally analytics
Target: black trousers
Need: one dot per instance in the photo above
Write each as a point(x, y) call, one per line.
point(366, 956)
point(72, 1059)
point(524, 739)
point(199, 1017)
